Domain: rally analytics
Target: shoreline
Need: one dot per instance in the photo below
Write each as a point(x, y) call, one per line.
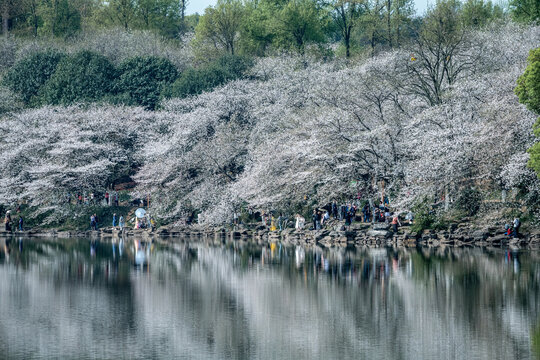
point(360, 234)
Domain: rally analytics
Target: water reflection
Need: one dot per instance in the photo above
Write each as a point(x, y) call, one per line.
point(138, 299)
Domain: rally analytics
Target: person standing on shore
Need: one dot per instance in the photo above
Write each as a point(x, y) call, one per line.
point(7, 221)
point(516, 224)
point(410, 217)
point(121, 223)
point(21, 223)
point(273, 223)
point(114, 220)
point(300, 221)
point(92, 222)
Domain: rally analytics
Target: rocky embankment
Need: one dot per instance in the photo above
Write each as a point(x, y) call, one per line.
point(335, 234)
point(382, 235)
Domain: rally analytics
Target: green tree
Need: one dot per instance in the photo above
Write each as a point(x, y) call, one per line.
point(164, 16)
point(299, 23)
point(220, 26)
point(528, 92)
point(9, 10)
point(346, 15)
point(32, 15)
point(437, 51)
point(117, 12)
point(528, 84)
point(59, 18)
point(257, 34)
point(526, 11)
point(401, 18)
point(29, 75)
point(82, 77)
point(477, 13)
point(142, 79)
point(371, 24)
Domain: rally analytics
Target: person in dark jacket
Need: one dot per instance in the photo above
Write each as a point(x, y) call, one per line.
point(334, 210)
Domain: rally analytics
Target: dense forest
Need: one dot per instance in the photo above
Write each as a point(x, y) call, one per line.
point(269, 104)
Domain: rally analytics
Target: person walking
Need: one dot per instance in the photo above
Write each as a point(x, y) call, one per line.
point(395, 223)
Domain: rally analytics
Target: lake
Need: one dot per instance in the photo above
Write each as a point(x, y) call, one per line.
point(79, 299)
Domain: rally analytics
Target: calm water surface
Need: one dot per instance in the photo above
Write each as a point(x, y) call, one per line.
point(73, 299)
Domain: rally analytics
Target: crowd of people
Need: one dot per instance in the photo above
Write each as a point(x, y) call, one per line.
point(8, 222)
point(346, 213)
point(145, 222)
point(512, 230)
point(108, 198)
point(94, 222)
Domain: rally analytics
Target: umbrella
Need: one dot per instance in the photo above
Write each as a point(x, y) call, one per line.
point(140, 212)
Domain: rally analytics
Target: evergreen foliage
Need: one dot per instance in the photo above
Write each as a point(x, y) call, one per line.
point(528, 91)
point(82, 77)
point(196, 81)
point(141, 80)
point(29, 75)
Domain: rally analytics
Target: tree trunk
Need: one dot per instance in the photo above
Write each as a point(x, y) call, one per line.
point(372, 43)
point(389, 21)
point(183, 9)
point(446, 199)
point(35, 23)
point(347, 45)
point(398, 32)
point(5, 19)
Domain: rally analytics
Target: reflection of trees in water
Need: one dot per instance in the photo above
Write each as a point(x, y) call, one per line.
point(244, 301)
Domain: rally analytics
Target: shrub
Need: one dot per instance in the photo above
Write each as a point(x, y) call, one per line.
point(142, 78)
point(82, 77)
point(29, 75)
point(196, 81)
point(424, 216)
point(8, 52)
point(9, 101)
point(468, 201)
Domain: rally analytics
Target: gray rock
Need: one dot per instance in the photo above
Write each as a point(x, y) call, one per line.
point(381, 226)
point(379, 233)
point(480, 235)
